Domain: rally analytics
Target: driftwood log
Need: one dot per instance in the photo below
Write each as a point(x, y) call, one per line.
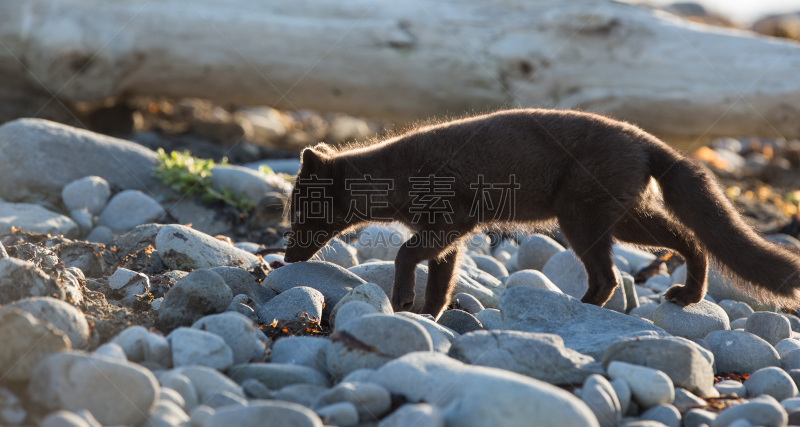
point(408, 60)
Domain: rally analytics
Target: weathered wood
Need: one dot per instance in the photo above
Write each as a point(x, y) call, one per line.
point(408, 60)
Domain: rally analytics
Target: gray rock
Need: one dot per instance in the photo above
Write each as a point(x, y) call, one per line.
point(166, 414)
point(339, 253)
point(739, 351)
point(200, 293)
point(414, 414)
point(490, 318)
point(535, 250)
point(11, 409)
point(359, 375)
point(129, 209)
point(468, 303)
point(130, 284)
point(35, 219)
point(736, 309)
point(729, 387)
point(794, 321)
point(667, 415)
point(195, 347)
point(225, 398)
point(373, 340)
point(66, 419)
point(342, 414)
point(207, 382)
point(680, 359)
point(242, 282)
point(277, 375)
point(352, 310)
point(771, 327)
point(172, 395)
point(649, 387)
point(333, 281)
point(693, 321)
point(265, 413)
point(685, 399)
point(60, 314)
point(566, 271)
point(475, 395)
point(237, 331)
point(115, 392)
point(371, 400)
point(302, 394)
point(533, 278)
point(89, 192)
point(658, 283)
point(26, 341)
point(381, 241)
point(720, 289)
point(585, 328)
point(636, 257)
point(598, 394)
point(791, 404)
point(369, 293)
point(306, 351)
point(382, 273)
point(791, 360)
point(241, 181)
point(182, 248)
point(623, 392)
point(698, 417)
point(144, 347)
point(763, 411)
point(459, 321)
point(101, 234)
point(83, 218)
point(537, 355)
point(111, 350)
point(784, 347)
point(772, 381)
point(299, 303)
point(256, 389)
point(442, 337)
point(490, 265)
point(171, 381)
point(31, 146)
point(644, 311)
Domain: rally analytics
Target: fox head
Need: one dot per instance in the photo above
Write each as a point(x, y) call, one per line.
point(316, 214)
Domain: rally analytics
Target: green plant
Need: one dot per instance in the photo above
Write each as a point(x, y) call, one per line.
point(190, 176)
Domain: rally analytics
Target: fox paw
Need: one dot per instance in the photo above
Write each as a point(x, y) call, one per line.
point(682, 296)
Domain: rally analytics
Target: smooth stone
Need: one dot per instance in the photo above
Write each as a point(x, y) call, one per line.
point(60, 314)
point(477, 395)
point(736, 309)
point(414, 414)
point(65, 419)
point(302, 394)
point(771, 327)
point(196, 347)
point(533, 278)
point(649, 387)
point(740, 351)
point(339, 253)
point(468, 303)
point(372, 340)
point(100, 234)
point(31, 146)
point(599, 395)
point(381, 241)
point(183, 248)
point(442, 337)
point(658, 283)
point(26, 341)
point(36, 219)
point(382, 274)
point(680, 359)
point(459, 321)
point(300, 303)
point(731, 387)
point(623, 392)
point(130, 208)
point(667, 415)
point(369, 293)
point(242, 282)
point(166, 414)
point(698, 418)
point(144, 347)
point(181, 384)
point(762, 411)
point(685, 399)
point(535, 250)
point(567, 272)
point(115, 392)
point(771, 381)
point(791, 360)
point(111, 350)
point(83, 218)
point(720, 288)
point(490, 265)
point(207, 382)
point(490, 318)
point(243, 181)
point(637, 258)
point(793, 320)
point(277, 375)
point(265, 413)
point(371, 400)
point(693, 321)
point(537, 355)
point(644, 311)
point(237, 331)
point(89, 192)
point(585, 328)
point(305, 351)
point(739, 323)
point(200, 293)
point(255, 389)
point(130, 284)
point(791, 404)
point(342, 414)
point(353, 310)
point(172, 395)
point(200, 415)
point(333, 281)
point(359, 375)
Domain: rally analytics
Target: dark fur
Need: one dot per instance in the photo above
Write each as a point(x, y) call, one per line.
point(591, 173)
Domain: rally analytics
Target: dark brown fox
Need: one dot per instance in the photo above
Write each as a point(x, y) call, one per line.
point(595, 175)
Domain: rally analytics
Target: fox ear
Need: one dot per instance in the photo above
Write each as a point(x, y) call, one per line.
point(313, 162)
point(324, 149)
